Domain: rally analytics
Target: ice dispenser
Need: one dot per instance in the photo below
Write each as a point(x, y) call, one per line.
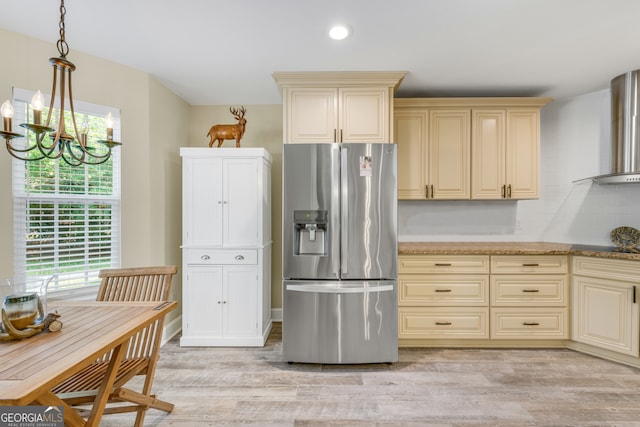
point(310, 232)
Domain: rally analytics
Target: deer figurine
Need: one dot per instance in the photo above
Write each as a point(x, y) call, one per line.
point(221, 132)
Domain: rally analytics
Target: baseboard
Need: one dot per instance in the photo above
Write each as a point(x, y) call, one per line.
point(171, 329)
point(276, 314)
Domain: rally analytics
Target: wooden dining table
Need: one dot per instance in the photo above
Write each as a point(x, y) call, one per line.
point(31, 367)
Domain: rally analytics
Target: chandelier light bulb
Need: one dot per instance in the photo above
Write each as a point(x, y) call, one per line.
point(7, 109)
point(7, 113)
point(109, 127)
point(339, 32)
point(37, 102)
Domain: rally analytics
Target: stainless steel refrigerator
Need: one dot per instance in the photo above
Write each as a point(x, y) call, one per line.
point(339, 253)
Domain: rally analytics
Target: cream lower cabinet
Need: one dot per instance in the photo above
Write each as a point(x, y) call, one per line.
point(326, 107)
point(443, 297)
point(605, 304)
point(529, 297)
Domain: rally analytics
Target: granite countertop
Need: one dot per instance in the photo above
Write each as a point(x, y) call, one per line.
point(511, 248)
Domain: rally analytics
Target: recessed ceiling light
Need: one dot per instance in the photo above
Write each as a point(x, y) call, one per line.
point(339, 32)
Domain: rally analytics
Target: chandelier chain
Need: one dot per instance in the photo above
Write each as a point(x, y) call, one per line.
point(63, 47)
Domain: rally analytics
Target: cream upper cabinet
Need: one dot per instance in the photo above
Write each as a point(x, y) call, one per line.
point(448, 157)
point(433, 153)
point(327, 107)
point(411, 129)
point(472, 148)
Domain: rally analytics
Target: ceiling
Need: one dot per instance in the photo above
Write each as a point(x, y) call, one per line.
point(219, 52)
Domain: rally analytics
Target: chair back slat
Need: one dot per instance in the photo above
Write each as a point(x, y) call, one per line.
point(138, 284)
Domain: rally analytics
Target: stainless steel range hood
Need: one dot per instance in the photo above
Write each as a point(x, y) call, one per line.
point(625, 129)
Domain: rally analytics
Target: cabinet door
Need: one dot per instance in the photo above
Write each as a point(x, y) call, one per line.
point(203, 302)
point(607, 314)
point(311, 115)
point(488, 154)
point(241, 202)
point(523, 153)
point(240, 302)
point(449, 153)
point(363, 115)
point(202, 207)
point(410, 129)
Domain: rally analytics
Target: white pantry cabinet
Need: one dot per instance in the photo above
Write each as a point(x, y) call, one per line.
point(327, 107)
point(226, 217)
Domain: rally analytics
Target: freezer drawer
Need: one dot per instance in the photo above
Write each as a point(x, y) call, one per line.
point(340, 322)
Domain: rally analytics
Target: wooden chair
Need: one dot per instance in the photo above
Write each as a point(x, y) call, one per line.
point(126, 284)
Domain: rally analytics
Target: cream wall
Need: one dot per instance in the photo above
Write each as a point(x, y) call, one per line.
point(264, 129)
point(153, 124)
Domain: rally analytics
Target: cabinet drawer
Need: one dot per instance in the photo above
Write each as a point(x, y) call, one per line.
point(529, 290)
point(443, 264)
point(443, 290)
point(529, 323)
point(441, 322)
point(529, 264)
point(226, 256)
point(615, 269)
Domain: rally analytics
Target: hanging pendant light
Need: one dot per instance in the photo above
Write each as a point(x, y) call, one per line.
point(71, 148)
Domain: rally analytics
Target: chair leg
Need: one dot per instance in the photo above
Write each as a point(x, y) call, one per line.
point(142, 399)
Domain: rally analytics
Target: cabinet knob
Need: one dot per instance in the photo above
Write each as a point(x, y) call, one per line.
point(219, 202)
point(205, 257)
point(239, 257)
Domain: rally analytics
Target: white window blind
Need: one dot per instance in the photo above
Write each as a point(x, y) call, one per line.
point(66, 218)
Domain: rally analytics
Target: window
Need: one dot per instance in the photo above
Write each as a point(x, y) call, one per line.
point(66, 218)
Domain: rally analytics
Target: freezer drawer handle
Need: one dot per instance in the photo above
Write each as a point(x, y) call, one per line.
point(531, 323)
point(205, 257)
point(239, 257)
point(324, 289)
point(530, 290)
point(443, 290)
point(443, 323)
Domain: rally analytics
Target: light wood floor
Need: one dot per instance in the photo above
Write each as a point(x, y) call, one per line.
point(427, 387)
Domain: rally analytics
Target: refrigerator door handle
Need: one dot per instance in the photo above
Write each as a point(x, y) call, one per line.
point(344, 211)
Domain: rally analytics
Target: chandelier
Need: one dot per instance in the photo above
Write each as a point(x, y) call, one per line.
point(71, 148)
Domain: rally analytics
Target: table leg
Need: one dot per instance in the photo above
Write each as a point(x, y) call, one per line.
point(107, 384)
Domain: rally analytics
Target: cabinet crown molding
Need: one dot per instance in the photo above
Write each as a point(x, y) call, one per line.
point(338, 78)
point(493, 102)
